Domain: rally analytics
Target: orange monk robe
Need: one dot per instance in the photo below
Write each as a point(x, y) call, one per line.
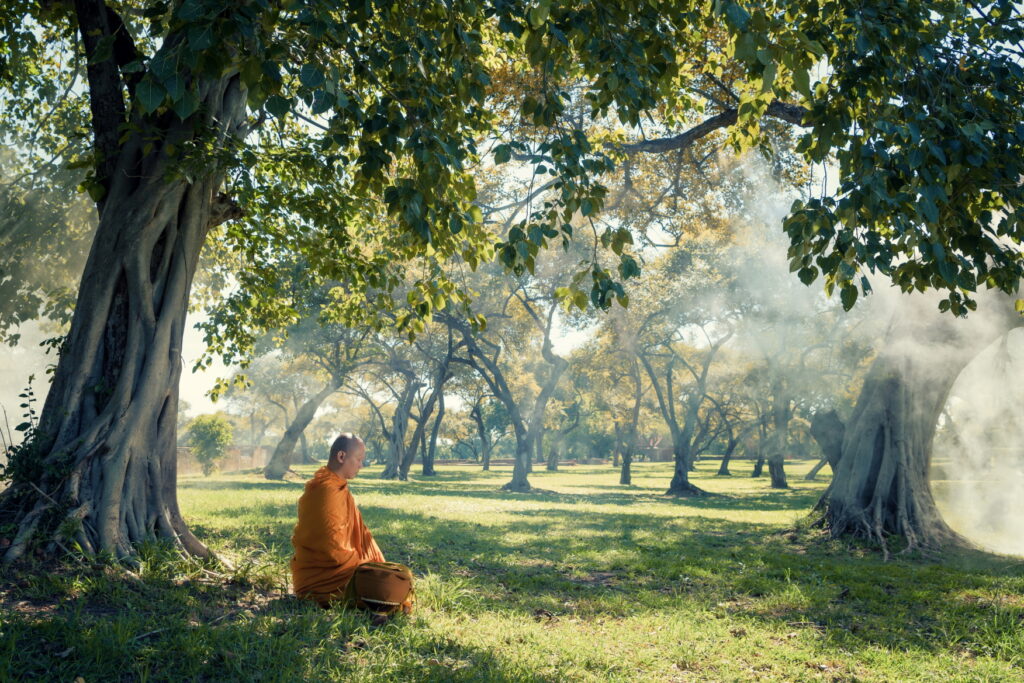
point(330, 539)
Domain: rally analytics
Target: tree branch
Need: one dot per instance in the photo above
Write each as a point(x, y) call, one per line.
point(106, 99)
point(790, 113)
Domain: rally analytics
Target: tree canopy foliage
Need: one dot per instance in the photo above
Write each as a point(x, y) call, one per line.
point(342, 144)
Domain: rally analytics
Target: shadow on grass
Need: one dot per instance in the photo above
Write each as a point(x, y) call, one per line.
point(617, 564)
point(114, 629)
point(616, 561)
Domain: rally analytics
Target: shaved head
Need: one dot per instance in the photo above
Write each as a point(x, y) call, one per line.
point(346, 441)
point(347, 455)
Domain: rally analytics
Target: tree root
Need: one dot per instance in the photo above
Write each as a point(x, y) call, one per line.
point(686, 491)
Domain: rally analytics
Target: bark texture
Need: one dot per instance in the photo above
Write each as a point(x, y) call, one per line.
point(102, 467)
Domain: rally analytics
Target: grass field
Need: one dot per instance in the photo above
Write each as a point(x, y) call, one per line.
point(590, 581)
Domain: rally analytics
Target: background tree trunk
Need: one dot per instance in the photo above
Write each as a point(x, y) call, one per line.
point(485, 439)
point(626, 472)
point(428, 460)
point(524, 453)
point(828, 430)
point(730, 448)
point(307, 457)
point(281, 460)
point(778, 441)
point(758, 468)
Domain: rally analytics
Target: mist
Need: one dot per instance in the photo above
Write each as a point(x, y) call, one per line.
point(977, 471)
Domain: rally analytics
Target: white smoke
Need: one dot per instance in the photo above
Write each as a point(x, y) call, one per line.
point(978, 467)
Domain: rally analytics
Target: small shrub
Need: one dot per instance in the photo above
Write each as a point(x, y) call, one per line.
point(210, 436)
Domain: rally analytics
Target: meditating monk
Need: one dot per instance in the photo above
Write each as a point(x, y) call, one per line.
point(336, 558)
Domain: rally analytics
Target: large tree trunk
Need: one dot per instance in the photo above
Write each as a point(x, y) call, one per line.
point(680, 484)
point(281, 460)
point(777, 473)
point(101, 468)
point(880, 488)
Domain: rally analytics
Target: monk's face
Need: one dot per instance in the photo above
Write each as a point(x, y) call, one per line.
point(352, 461)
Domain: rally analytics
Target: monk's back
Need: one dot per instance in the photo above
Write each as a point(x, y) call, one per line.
point(330, 539)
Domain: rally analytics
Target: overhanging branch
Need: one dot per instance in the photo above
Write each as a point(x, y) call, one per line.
point(790, 113)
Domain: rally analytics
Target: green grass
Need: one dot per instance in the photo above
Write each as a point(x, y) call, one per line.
point(590, 581)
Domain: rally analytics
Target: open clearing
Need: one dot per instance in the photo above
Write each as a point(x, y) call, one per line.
point(590, 581)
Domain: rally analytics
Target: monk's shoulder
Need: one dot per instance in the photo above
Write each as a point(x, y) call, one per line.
point(326, 482)
point(328, 493)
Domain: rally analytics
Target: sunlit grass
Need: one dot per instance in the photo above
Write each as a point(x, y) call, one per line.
point(586, 581)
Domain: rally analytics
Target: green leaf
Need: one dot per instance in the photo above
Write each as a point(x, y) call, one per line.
point(149, 94)
point(186, 106)
point(802, 82)
point(311, 76)
point(848, 296)
point(502, 153)
point(539, 14)
point(737, 15)
point(768, 77)
point(278, 106)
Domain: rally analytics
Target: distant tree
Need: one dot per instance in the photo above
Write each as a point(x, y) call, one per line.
point(209, 436)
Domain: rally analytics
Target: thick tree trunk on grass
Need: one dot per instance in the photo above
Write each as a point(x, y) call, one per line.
point(777, 473)
point(281, 460)
point(880, 488)
point(680, 484)
point(100, 471)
